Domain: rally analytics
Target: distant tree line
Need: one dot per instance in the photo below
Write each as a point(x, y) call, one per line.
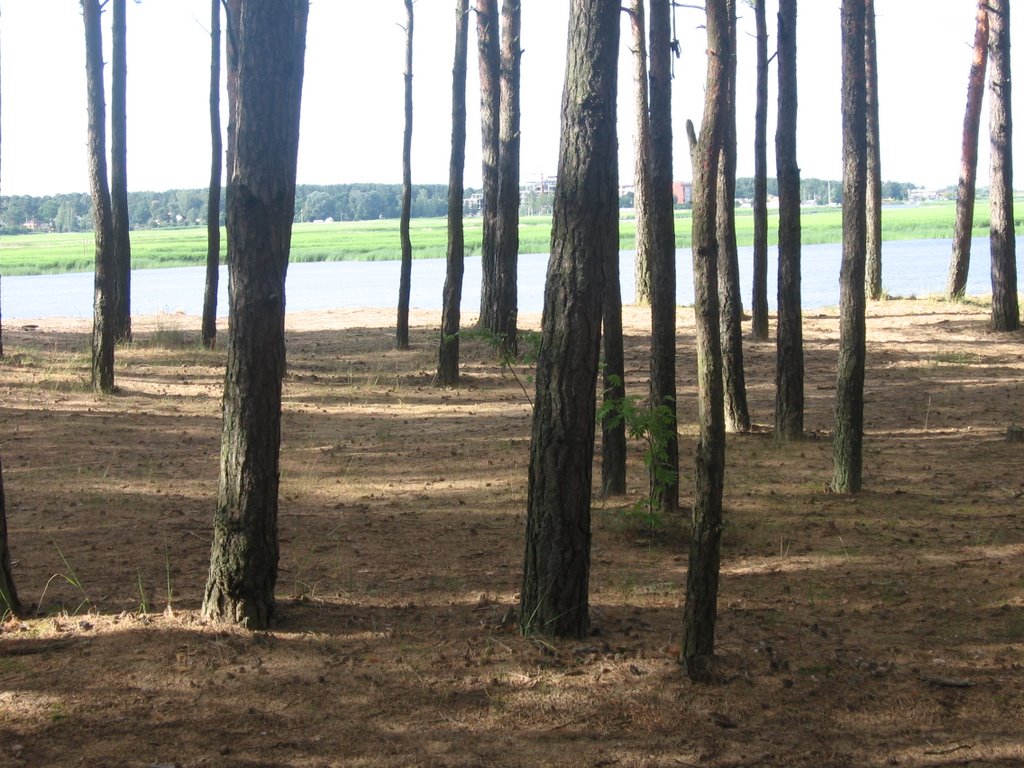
point(187, 207)
point(72, 212)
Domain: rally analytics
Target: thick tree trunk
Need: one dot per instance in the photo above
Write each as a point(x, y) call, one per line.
point(873, 204)
point(584, 234)
point(489, 60)
point(730, 297)
point(1005, 307)
point(789, 365)
point(663, 253)
point(641, 155)
point(451, 314)
point(967, 186)
point(119, 175)
point(8, 593)
point(261, 205)
point(209, 328)
point(848, 430)
point(405, 276)
point(700, 608)
point(506, 309)
point(759, 302)
point(104, 276)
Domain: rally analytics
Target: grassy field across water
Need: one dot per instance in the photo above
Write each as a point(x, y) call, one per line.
point(37, 254)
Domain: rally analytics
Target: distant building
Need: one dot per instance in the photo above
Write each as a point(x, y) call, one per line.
point(682, 191)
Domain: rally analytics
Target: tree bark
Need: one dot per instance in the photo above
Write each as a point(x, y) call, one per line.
point(506, 257)
point(119, 175)
point(641, 155)
point(730, 298)
point(489, 61)
point(451, 315)
point(104, 283)
point(261, 204)
point(8, 594)
point(967, 186)
point(848, 430)
point(873, 201)
point(789, 365)
point(209, 327)
point(584, 234)
point(1005, 307)
point(700, 608)
point(759, 302)
point(405, 276)
point(663, 252)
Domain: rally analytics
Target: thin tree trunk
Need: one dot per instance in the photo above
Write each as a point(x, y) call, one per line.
point(1005, 307)
point(730, 297)
point(873, 267)
point(759, 302)
point(665, 493)
point(119, 175)
point(848, 430)
point(789, 365)
point(104, 282)
point(270, 48)
point(405, 277)
point(451, 315)
point(967, 186)
point(506, 257)
point(232, 15)
point(489, 60)
point(700, 608)
point(8, 594)
point(613, 430)
point(209, 329)
point(584, 235)
point(641, 155)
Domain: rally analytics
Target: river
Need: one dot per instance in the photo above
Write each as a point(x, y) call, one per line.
point(909, 268)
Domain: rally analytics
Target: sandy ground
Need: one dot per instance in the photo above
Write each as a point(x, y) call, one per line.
point(884, 629)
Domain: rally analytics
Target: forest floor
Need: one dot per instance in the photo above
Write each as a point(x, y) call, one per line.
point(882, 629)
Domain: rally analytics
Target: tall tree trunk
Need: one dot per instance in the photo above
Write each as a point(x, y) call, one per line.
point(661, 219)
point(967, 186)
point(1, 334)
point(730, 298)
point(1005, 308)
point(261, 204)
point(8, 593)
point(873, 267)
point(700, 608)
point(584, 235)
point(451, 315)
point(848, 430)
point(103, 227)
point(759, 302)
point(119, 175)
point(641, 155)
point(209, 329)
point(506, 308)
point(405, 277)
point(789, 365)
point(489, 60)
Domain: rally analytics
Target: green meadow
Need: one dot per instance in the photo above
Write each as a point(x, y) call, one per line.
point(36, 254)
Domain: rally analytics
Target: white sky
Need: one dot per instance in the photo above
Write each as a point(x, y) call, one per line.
point(352, 104)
